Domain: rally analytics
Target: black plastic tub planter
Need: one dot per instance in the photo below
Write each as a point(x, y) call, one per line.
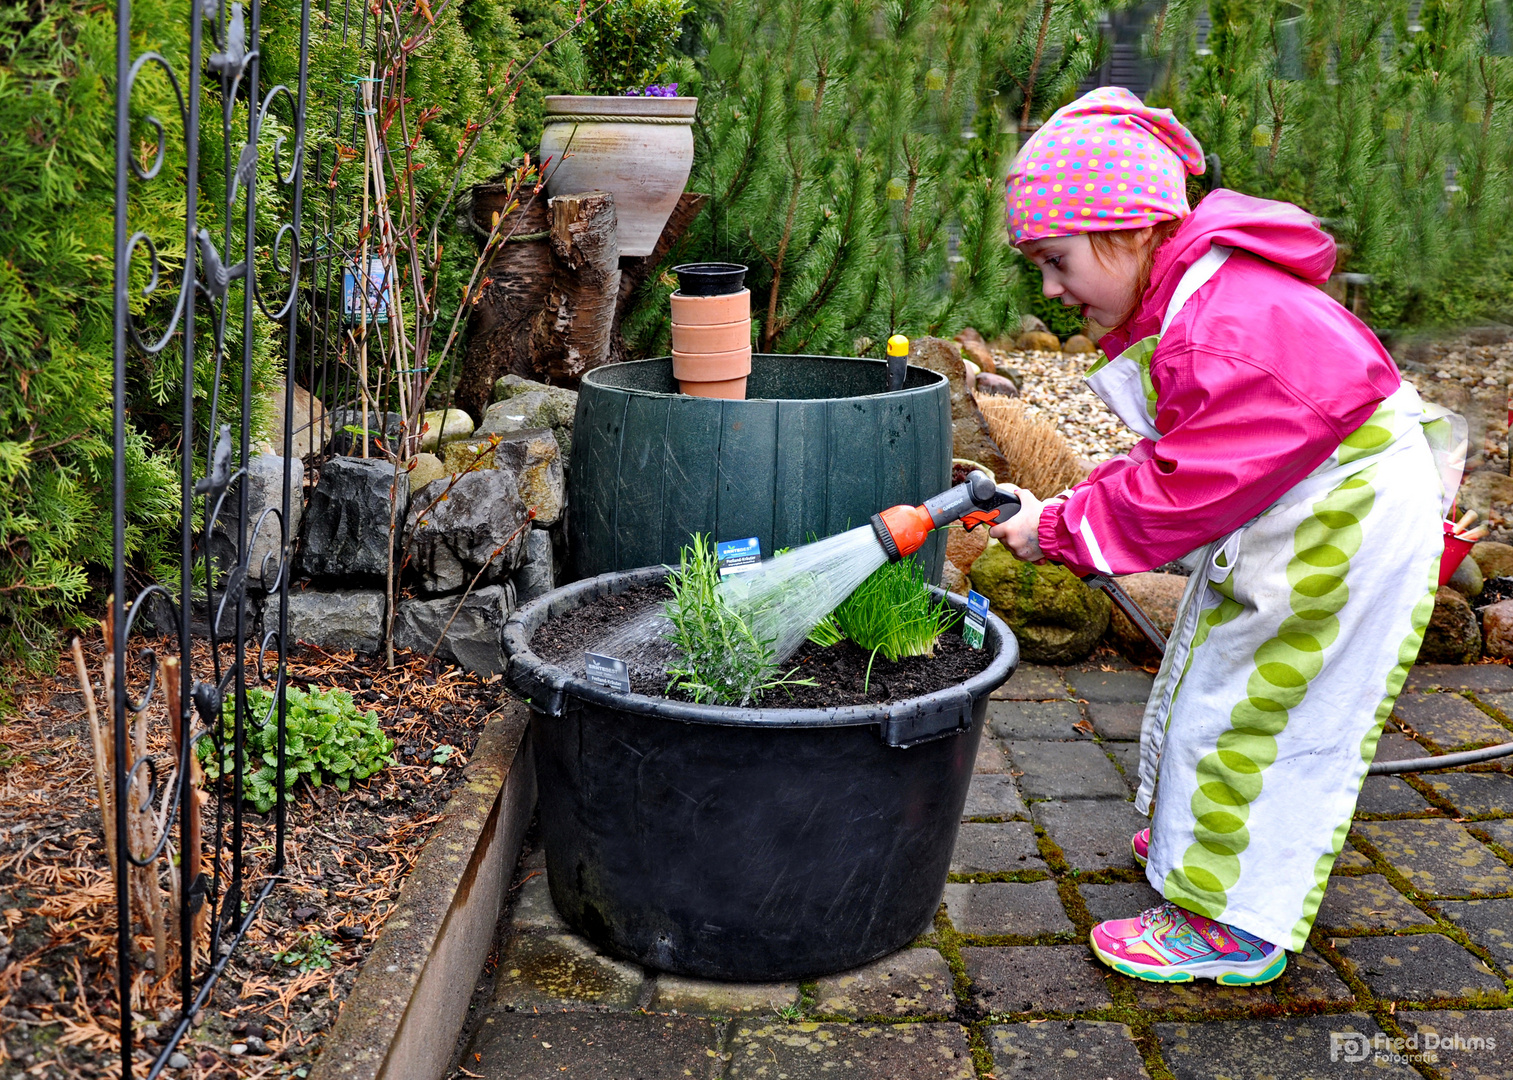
point(745, 844)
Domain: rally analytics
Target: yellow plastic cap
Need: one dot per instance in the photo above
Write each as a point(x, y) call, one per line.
point(898, 345)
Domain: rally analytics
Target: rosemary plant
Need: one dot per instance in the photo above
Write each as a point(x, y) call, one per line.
point(720, 660)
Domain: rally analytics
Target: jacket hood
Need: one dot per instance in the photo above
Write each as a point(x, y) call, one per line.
point(1279, 232)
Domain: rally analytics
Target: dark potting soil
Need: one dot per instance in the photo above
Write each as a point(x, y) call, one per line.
point(840, 672)
point(1494, 589)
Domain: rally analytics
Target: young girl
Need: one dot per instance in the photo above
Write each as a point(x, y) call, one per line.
point(1286, 462)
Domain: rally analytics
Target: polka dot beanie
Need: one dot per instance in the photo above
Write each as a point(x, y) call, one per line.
point(1104, 162)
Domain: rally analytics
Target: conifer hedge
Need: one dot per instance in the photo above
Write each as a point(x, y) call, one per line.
point(57, 100)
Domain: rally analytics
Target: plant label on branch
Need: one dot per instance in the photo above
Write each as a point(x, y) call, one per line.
point(738, 556)
point(373, 304)
point(606, 671)
point(975, 626)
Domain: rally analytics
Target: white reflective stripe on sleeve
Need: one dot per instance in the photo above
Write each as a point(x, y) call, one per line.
point(1099, 562)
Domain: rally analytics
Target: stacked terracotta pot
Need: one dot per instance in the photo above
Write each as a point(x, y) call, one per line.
point(711, 330)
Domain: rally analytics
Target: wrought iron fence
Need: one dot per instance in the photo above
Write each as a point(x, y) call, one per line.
point(193, 863)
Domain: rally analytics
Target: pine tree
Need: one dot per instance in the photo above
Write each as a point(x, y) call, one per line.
point(1391, 121)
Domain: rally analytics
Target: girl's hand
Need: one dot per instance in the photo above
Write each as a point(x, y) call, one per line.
point(1021, 533)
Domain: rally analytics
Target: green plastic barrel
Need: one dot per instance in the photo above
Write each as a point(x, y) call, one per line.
point(818, 447)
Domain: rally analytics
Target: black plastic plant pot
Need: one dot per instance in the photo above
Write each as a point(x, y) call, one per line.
point(710, 279)
point(745, 844)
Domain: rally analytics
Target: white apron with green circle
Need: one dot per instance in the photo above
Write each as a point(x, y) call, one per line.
point(1290, 645)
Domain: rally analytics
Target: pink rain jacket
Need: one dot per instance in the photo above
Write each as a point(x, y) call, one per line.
point(1257, 380)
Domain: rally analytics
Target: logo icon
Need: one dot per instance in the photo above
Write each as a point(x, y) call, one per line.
point(1348, 1046)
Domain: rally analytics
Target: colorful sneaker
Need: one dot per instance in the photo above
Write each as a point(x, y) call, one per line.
point(1167, 944)
point(1140, 844)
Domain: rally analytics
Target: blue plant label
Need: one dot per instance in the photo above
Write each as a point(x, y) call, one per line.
point(606, 671)
point(975, 627)
point(738, 556)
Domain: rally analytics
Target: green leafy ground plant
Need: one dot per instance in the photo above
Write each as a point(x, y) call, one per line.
point(326, 738)
point(892, 613)
point(720, 660)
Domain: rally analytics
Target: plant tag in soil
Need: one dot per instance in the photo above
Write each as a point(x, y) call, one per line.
point(975, 626)
point(606, 671)
point(737, 556)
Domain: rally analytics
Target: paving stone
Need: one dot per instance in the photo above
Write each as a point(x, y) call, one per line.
point(1074, 1050)
point(1417, 967)
point(1117, 721)
point(1439, 857)
point(1294, 1048)
point(534, 912)
point(855, 1051)
point(674, 993)
point(1036, 978)
point(1449, 720)
point(1122, 901)
point(1093, 834)
point(1476, 1044)
point(994, 848)
point(910, 982)
point(1367, 903)
point(1096, 685)
point(1310, 978)
point(1200, 995)
point(1035, 720)
point(1022, 909)
point(1128, 757)
point(990, 756)
point(1489, 923)
point(597, 1046)
point(1476, 677)
point(1475, 793)
point(1389, 795)
point(1503, 703)
point(1351, 859)
point(993, 796)
point(1031, 682)
point(1054, 770)
point(564, 971)
point(1395, 746)
point(1500, 831)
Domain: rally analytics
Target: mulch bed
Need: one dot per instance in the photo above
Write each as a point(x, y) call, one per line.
point(840, 672)
point(348, 854)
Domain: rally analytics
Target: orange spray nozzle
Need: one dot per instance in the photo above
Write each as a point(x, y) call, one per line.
point(902, 530)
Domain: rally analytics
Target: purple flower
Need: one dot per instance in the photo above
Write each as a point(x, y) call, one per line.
point(670, 90)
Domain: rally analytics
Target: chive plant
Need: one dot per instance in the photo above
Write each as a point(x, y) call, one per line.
point(720, 661)
point(892, 613)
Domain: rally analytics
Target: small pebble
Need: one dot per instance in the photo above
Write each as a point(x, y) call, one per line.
point(237, 1049)
point(177, 1060)
point(350, 933)
point(256, 1045)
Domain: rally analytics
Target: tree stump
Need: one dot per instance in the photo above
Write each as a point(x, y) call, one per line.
point(557, 290)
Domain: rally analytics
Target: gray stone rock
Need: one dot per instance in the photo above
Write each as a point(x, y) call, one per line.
point(383, 431)
point(345, 619)
point(992, 796)
point(442, 426)
point(1293, 1047)
point(1021, 909)
point(1056, 617)
point(1092, 834)
point(1417, 967)
point(1066, 770)
point(472, 639)
point(864, 1051)
point(1078, 1050)
point(425, 468)
point(531, 454)
point(987, 848)
point(346, 527)
point(1453, 636)
point(536, 405)
point(537, 575)
point(177, 1060)
point(478, 528)
point(1467, 579)
point(1036, 978)
point(309, 422)
point(265, 501)
point(910, 982)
